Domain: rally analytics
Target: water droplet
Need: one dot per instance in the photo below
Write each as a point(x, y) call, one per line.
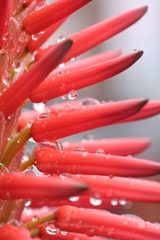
point(114, 202)
point(73, 59)
point(62, 65)
point(45, 115)
point(100, 151)
point(28, 203)
point(64, 233)
point(90, 101)
point(35, 218)
point(72, 95)
point(122, 202)
point(35, 37)
point(64, 97)
point(79, 149)
point(95, 201)
point(142, 224)
point(55, 145)
point(74, 198)
point(39, 107)
point(50, 228)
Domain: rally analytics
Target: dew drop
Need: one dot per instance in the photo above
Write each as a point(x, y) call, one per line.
point(79, 149)
point(100, 151)
point(35, 37)
point(28, 203)
point(90, 101)
point(50, 228)
point(62, 65)
point(111, 231)
point(35, 218)
point(95, 201)
point(64, 233)
point(73, 59)
point(74, 198)
point(114, 202)
point(64, 97)
point(45, 115)
point(72, 95)
point(122, 202)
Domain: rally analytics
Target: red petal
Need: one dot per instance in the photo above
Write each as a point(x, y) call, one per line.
point(99, 33)
point(49, 160)
point(11, 99)
point(44, 17)
point(5, 10)
point(17, 186)
point(89, 117)
point(9, 232)
point(101, 223)
point(116, 146)
point(57, 84)
point(122, 188)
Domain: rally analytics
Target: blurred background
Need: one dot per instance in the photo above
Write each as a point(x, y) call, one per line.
point(140, 81)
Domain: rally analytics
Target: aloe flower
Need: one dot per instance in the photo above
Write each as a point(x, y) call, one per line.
point(60, 189)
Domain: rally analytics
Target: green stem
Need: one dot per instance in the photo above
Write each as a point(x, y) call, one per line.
point(34, 233)
point(15, 145)
point(39, 221)
point(27, 164)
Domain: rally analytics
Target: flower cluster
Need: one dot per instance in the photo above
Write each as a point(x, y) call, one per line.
point(67, 190)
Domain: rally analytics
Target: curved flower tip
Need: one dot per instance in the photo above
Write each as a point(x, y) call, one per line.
point(5, 10)
point(151, 109)
point(101, 223)
point(116, 146)
point(16, 94)
point(79, 76)
point(99, 33)
point(44, 17)
point(48, 127)
point(24, 186)
point(9, 232)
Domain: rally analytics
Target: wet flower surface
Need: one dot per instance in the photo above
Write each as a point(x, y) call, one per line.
point(61, 189)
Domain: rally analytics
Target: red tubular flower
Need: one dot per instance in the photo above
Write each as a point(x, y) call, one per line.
point(101, 223)
point(18, 186)
point(10, 101)
point(5, 9)
point(58, 84)
point(49, 160)
point(122, 188)
point(115, 146)
point(64, 235)
point(9, 232)
point(43, 18)
point(55, 127)
point(99, 33)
